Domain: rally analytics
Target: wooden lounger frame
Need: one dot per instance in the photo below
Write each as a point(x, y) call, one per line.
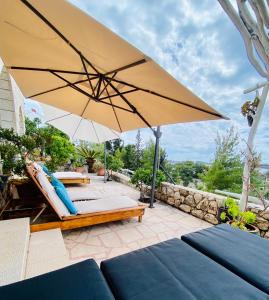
point(74, 180)
point(76, 221)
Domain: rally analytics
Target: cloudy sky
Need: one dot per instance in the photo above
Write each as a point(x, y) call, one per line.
point(197, 43)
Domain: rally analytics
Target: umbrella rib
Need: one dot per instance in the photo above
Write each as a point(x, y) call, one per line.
point(134, 64)
point(88, 95)
point(74, 86)
point(130, 105)
point(114, 111)
point(99, 86)
point(46, 21)
point(88, 76)
point(105, 85)
point(95, 131)
point(57, 118)
point(49, 70)
point(76, 128)
point(166, 97)
point(121, 93)
point(57, 88)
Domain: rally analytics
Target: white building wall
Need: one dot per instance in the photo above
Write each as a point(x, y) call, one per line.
point(11, 103)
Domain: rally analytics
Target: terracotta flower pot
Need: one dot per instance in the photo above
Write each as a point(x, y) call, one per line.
point(80, 169)
point(101, 172)
point(90, 163)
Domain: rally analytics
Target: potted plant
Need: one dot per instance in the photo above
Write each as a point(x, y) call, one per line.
point(243, 220)
point(78, 166)
point(89, 155)
point(114, 163)
point(142, 179)
point(99, 168)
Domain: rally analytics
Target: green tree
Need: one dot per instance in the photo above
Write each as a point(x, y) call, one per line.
point(60, 150)
point(138, 149)
point(129, 157)
point(148, 155)
point(37, 141)
point(225, 173)
point(187, 171)
point(113, 146)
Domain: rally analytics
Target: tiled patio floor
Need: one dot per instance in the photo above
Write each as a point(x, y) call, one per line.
point(108, 240)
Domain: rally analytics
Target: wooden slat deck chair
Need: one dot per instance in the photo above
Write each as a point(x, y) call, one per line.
point(90, 212)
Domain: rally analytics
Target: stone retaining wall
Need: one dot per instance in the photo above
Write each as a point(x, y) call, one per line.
point(205, 205)
point(200, 204)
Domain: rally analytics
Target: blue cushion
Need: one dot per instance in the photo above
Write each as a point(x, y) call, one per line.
point(82, 281)
point(174, 270)
point(56, 182)
point(45, 169)
point(62, 193)
point(245, 254)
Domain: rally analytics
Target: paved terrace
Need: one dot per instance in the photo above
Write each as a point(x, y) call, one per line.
point(108, 240)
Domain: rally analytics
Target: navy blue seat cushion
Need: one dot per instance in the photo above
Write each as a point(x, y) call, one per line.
point(83, 281)
point(245, 254)
point(174, 270)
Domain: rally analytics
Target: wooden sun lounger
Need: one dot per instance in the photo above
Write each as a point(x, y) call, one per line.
point(82, 220)
point(66, 181)
point(74, 178)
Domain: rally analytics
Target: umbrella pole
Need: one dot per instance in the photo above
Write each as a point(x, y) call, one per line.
point(158, 135)
point(105, 161)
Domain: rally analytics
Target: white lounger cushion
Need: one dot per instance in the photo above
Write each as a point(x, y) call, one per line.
point(105, 204)
point(77, 194)
point(68, 175)
point(49, 189)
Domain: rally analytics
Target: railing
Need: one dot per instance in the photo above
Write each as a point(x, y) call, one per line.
point(251, 199)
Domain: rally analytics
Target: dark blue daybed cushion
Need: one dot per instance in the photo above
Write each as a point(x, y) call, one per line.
point(174, 270)
point(245, 254)
point(81, 281)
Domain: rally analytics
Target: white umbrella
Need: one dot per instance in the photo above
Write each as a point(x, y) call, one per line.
point(76, 127)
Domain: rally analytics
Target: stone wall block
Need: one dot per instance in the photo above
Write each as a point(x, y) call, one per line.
point(184, 192)
point(203, 205)
point(189, 200)
point(212, 207)
point(198, 213)
point(186, 208)
point(177, 195)
point(171, 201)
point(263, 225)
point(211, 219)
point(265, 215)
point(177, 203)
point(170, 192)
point(197, 197)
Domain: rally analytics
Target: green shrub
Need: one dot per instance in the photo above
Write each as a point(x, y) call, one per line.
point(236, 217)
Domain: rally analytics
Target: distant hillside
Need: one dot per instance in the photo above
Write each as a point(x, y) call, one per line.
point(181, 161)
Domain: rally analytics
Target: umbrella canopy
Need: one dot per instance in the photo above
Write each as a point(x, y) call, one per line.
point(61, 56)
point(76, 127)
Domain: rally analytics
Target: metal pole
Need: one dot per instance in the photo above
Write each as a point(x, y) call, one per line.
point(158, 135)
point(105, 161)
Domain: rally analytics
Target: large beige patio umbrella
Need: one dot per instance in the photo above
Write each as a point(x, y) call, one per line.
point(61, 56)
